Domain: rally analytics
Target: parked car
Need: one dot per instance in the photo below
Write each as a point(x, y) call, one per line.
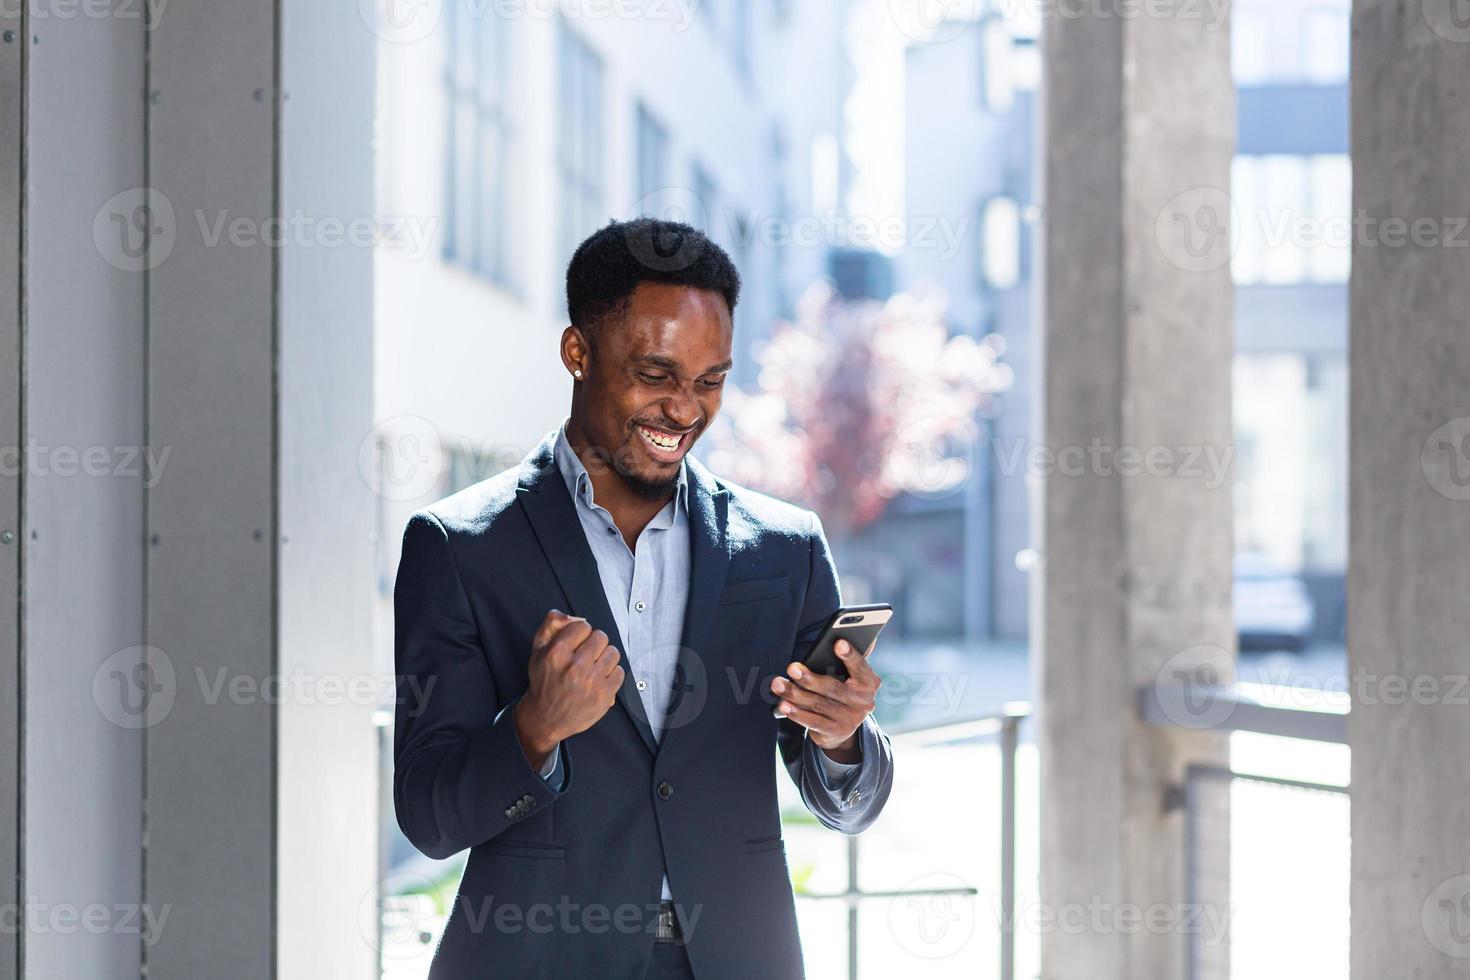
point(1272, 608)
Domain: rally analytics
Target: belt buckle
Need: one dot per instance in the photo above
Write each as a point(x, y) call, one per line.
point(668, 924)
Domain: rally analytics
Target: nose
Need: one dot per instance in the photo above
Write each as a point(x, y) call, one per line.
point(682, 410)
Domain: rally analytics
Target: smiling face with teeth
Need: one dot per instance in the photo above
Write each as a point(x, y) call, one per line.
point(652, 382)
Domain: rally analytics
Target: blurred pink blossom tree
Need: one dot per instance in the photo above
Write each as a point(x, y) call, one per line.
point(856, 403)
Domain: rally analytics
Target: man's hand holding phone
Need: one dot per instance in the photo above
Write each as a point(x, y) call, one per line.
point(574, 679)
point(831, 710)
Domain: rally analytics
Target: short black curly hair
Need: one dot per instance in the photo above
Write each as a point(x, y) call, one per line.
point(615, 259)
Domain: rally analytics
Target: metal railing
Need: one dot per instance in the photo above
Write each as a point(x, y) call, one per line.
point(1267, 709)
point(1284, 712)
point(1005, 727)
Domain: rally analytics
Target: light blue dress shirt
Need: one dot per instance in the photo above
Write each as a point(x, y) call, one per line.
point(647, 589)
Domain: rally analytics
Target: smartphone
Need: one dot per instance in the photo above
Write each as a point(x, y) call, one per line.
point(858, 625)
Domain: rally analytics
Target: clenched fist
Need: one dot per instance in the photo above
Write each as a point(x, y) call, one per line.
point(575, 677)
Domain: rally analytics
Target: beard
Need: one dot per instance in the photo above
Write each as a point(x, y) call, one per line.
point(646, 487)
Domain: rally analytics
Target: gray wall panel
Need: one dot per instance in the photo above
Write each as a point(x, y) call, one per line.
point(12, 142)
point(83, 554)
point(211, 608)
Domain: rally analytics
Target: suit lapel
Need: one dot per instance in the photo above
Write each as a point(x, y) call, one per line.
point(543, 495)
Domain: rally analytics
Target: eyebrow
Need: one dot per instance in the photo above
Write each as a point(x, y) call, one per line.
point(669, 364)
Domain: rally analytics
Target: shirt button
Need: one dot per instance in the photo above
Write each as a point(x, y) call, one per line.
point(612, 530)
point(640, 605)
point(642, 685)
point(665, 790)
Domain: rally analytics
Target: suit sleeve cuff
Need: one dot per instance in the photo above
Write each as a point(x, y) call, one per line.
point(833, 774)
point(549, 766)
point(553, 771)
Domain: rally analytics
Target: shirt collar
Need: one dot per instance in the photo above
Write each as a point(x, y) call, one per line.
point(575, 475)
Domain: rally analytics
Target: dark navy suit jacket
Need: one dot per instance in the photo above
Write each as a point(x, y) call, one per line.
point(566, 884)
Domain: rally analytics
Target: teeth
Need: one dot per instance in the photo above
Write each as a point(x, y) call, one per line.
point(659, 439)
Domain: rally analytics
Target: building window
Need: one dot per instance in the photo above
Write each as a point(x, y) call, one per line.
point(780, 211)
point(653, 153)
point(1025, 58)
point(1250, 47)
point(1326, 42)
point(1276, 43)
point(706, 203)
point(1000, 243)
point(579, 141)
point(997, 73)
point(465, 466)
point(1294, 217)
point(826, 158)
point(731, 25)
point(740, 36)
point(478, 144)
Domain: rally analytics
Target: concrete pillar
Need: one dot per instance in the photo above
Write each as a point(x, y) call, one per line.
point(1135, 523)
point(1409, 520)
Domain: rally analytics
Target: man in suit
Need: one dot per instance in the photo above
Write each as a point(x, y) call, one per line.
point(608, 639)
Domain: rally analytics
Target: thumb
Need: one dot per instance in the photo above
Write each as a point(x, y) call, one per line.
point(551, 624)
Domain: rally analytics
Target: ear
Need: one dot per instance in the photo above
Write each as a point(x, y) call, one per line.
point(575, 351)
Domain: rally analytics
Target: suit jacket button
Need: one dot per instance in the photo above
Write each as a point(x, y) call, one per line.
point(665, 790)
point(529, 800)
point(510, 812)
